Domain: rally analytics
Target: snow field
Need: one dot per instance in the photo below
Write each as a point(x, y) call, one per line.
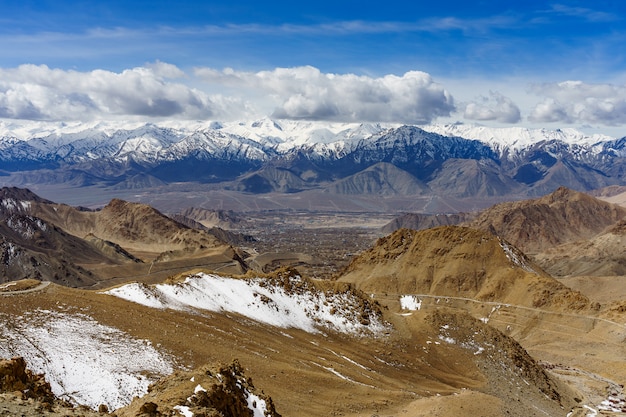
point(84, 361)
point(258, 299)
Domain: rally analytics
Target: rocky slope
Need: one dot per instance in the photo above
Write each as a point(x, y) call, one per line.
point(601, 255)
point(31, 247)
point(213, 218)
point(565, 232)
point(560, 217)
point(457, 261)
point(324, 370)
point(24, 393)
point(420, 221)
point(206, 391)
point(48, 241)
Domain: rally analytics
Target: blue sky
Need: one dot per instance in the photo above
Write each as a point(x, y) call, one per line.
point(533, 63)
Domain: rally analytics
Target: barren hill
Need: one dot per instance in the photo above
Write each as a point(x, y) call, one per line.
point(457, 261)
point(80, 247)
point(602, 255)
point(213, 218)
point(380, 179)
point(327, 369)
point(565, 232)
point(20, 194)
point(419, 221)
point(463, 178)
point(142, 227)
point(31, 247)
point(134, 226)
point(560, 217)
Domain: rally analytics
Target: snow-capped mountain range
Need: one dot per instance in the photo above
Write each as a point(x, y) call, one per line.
point(258, 156)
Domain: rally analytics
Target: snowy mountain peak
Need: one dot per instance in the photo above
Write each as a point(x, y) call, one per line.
point(176, 151)
point(515, 138)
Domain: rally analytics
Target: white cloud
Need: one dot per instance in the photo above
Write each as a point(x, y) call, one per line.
point(159, 90)
point(39, 92)
point(578, 102)
point(307, 93)
point(583, 13)
point(495, 107)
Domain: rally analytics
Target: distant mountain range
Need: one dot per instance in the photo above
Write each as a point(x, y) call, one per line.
point(266, 156)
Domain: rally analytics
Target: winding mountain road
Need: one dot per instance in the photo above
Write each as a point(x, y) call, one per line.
point(5, 291)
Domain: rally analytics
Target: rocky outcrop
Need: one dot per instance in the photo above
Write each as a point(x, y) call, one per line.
point(15, 377)
point(207, 391)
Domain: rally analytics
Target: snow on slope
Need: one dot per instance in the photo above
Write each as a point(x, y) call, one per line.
point(515, 138)
point(84, 361)
point(289, 134)
point(256, 140)
point(260, 300)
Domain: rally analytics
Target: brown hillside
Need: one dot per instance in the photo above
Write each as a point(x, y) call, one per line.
point(80, 247)
point(142, 227)
point(424, 356)
point(456, 261)
point(420, 221)
point(539, 224)
point(602, 255)
point(133, 226)
point(224, 219)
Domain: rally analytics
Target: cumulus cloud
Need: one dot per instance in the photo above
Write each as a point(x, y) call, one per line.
point(578, 102)
point(307, 93)
point(39, 92)
point(160, 90)
point(495, 107)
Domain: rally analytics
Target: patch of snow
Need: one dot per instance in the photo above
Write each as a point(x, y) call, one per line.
point(355, 363)
point(592, 412)
point(410, 302)
point(516, 257)
point(84, 361)
point(258, 299)
point(183, 410)
point(615, 402)
point(447, 339)
point(13, 205)
point(257, 405)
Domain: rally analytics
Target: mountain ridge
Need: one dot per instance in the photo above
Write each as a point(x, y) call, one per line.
point(244, 156)
point(457, 261)
point(74, 246)
point(566, 232)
